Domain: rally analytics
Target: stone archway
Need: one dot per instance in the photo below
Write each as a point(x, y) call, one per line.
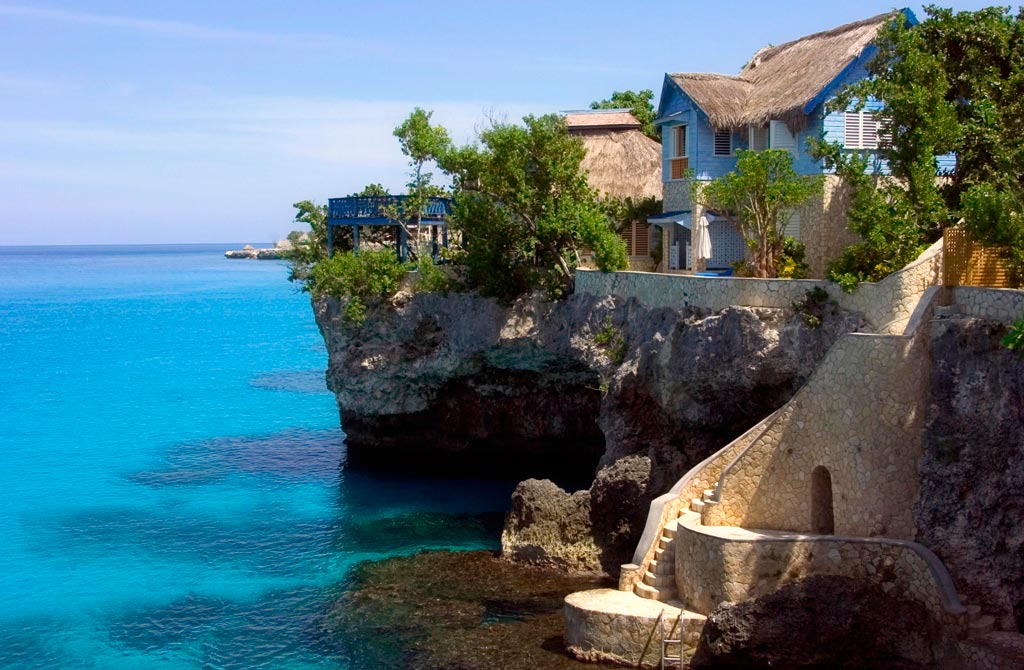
point(823, 521)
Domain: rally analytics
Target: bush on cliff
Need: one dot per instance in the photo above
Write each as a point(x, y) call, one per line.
point(373, 274)
point(524, 208)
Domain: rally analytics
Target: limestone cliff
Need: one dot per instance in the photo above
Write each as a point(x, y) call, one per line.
point(540, 389)
point(971, 502)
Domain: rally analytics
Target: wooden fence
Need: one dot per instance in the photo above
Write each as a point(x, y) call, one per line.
point(967, 263)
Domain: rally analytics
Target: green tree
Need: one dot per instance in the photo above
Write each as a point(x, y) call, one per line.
point(639, 104)
point(953, 83)
point(525, 209)
point(760, 196)
point(370, 191)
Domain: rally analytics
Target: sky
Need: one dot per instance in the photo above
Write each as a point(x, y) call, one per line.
point(196, 121)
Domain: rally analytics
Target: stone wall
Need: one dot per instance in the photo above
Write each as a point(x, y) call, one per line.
point(668, 507)
point(677, 195)
point(823, 229)
point(995, 304)
point(860, 417)
point(886, 305)
point(719, 565)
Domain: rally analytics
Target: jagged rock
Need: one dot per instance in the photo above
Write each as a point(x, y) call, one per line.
point(459, 382)
point(971, 499)
point(821, 622)
point(548, 527)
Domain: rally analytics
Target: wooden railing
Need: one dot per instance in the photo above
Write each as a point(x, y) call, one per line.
point(967, 263)
point(376, 207)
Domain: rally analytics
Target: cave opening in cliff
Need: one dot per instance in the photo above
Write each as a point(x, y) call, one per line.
point(823, 520)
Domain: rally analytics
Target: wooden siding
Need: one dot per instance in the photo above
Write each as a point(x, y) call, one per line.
point(967, 263)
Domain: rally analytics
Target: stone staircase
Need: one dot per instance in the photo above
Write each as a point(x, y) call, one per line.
point(659, 581)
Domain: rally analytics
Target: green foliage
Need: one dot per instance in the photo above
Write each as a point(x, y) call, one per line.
point(761, 195)
point(792, 261)
point(953, 83)
point(812, 306)
point(371, 190)
point(525, 209)
point(639, 104)
point(1014, 339)
point(373, 274)
point(996, 218)
point(612, 341)
point(310, 247)
point(430, 277)
point(881, 213)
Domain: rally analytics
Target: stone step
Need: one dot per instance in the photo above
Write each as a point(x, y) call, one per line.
point(663, 567)
point(652, 579)
point(663, 594)
point(665, 542)
point(981, 626)
point(709, 495)
point(973, 612)
point(670, 529)
point(666, 555)
point(697, 505)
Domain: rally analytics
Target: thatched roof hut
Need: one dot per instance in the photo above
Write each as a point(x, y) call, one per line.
point(621, 161)
point(781, 81)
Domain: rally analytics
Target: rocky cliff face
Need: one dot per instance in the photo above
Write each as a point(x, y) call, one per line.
point(542, 389)
point(971, 502)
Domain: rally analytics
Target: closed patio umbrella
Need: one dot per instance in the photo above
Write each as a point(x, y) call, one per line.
point(701, 240)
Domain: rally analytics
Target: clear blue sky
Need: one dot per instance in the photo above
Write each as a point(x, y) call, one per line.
point(188, 121)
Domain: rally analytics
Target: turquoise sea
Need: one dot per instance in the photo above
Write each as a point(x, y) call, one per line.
point(172, 475)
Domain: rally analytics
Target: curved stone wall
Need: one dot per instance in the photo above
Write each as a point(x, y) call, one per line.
point(715, 565)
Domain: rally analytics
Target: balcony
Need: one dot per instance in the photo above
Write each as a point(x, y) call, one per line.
point(372, 210)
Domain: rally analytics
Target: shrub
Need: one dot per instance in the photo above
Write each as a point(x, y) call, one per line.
point(1014, 340)
point(374, 273)
point(432, 279)
point(792, 263)
point(612, 341)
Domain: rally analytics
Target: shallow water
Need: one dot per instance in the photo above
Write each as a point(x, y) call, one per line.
point(172, 478)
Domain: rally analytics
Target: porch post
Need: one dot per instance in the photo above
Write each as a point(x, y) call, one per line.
point(330, 240)
point(403, 244)
point(355, 240)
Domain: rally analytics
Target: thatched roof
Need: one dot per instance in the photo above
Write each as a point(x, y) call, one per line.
point(621, 161)
point(779, 81)
point(601, 118)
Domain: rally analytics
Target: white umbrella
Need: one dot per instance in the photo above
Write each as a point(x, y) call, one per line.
point(702, 239)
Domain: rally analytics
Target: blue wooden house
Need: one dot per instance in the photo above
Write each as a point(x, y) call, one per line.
point(777, 101)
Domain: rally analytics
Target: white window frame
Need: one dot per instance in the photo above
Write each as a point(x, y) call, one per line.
point(679, 161)
point(752, 131)
point(781, 137)
point(714, 143)
point(862, 140)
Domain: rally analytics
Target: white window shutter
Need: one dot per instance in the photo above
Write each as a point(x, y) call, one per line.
point(851, 133)
point(781, 137)
point(758, 138)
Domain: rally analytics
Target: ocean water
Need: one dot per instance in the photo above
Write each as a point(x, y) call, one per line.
point(172, 477)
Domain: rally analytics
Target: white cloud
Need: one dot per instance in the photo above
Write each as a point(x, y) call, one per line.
point(176, 29)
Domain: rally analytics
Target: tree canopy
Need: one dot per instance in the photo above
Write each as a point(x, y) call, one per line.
point(953, 83)
point(524, 207)
point(637, 103)
point(761, 195)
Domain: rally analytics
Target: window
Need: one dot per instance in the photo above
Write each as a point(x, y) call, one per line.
point(680, 163)
point(723, 142)
point(781, 137)
point(861, 131)
point(758, 138)
point(637, 239)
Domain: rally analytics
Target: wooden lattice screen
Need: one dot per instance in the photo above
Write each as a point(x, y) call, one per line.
point(966, 263)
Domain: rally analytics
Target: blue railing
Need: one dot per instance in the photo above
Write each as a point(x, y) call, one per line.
point(374, 207)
